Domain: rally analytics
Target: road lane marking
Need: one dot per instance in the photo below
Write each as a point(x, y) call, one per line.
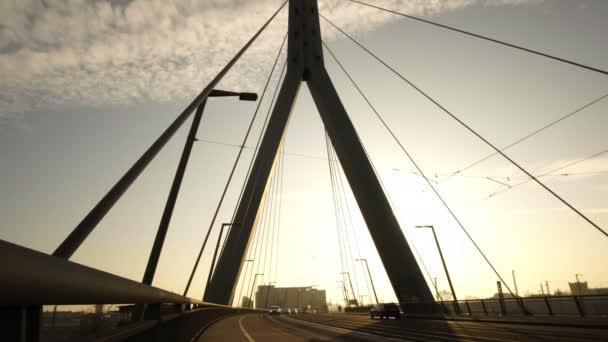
point(245, 331)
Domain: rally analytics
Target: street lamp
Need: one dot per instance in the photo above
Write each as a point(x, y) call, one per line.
point(456, 306)
point(370, 278)
point(217, 247)
point(255, 278)
point(351, 287)
point(165, 220)
point(344, 292)
point(243, 285)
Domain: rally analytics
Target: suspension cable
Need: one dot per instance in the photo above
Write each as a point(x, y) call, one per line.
point(583, 216)
point(336, 207)
point(281, 175)
point(422, 173)
point(238, 157)
point(352, 227)
point(487, 38)
point(346, 213)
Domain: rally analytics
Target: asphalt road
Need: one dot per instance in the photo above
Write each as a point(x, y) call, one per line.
point(340, 327)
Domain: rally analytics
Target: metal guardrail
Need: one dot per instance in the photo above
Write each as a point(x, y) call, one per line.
point(29, 277)
point(561, 306)
point(557, 306)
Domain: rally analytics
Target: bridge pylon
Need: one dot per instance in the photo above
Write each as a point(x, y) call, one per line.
point(305, 63)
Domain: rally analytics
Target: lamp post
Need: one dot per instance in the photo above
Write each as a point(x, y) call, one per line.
point(370, 278)
point(165, 220)
point(454, 298)
point(255, 278)
point(243, 285)
point(351, 287)
point(217, 247)
point(346, 299)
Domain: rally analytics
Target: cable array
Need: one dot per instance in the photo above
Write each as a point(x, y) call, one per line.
point(462, 123)
point(419, 170)
point(221, 200)
point(248, 279)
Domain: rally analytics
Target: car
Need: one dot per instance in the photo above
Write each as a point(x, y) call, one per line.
point(385, 310)
point(274, 310)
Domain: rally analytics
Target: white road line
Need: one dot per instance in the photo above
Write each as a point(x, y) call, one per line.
point(249, 338)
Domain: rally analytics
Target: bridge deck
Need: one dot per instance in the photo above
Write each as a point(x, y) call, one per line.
point(340, 327)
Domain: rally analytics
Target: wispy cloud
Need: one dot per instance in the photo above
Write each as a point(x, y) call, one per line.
point(129, 51)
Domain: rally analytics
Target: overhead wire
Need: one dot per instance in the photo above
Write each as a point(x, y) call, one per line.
point(518, 47)
point(462, 123)
point(460, 224)
point(550, 173)
point(552, 123)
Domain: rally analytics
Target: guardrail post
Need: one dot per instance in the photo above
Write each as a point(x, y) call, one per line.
point(21, 323)
point(444, 309)
point(549, 309)
point(579, 306)
point(468, 308)
point(503, 307)
point(483, 305)
point(152, 312)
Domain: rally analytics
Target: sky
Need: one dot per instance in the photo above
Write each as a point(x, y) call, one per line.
point(87, 86)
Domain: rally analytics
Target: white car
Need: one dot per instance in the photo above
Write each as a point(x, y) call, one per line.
point(274, 310)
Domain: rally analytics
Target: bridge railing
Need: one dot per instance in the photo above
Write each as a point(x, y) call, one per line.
point(542, 306)
point(562, 306)
point(30, 280)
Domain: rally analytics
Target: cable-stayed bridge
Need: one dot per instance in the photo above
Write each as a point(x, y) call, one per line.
point(32, 279)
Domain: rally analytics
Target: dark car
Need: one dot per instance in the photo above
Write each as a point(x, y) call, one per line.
point(385, 310)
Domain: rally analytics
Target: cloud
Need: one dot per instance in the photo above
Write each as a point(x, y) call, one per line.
point(98, 52)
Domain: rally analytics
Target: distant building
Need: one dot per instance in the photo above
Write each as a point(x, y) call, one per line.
point(290, 298)
point(582, 288)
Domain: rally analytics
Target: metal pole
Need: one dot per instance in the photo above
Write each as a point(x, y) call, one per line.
point(547, 284)
point(244, 277)
point(445, 267)
point(255, 278)
point(436, 288)
point(67, 248)
point(370, 279)
point(175, 187)
point(351, 287)
point(515, 283)
point(346, 297)
point(343, 294)
point(217, 247)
